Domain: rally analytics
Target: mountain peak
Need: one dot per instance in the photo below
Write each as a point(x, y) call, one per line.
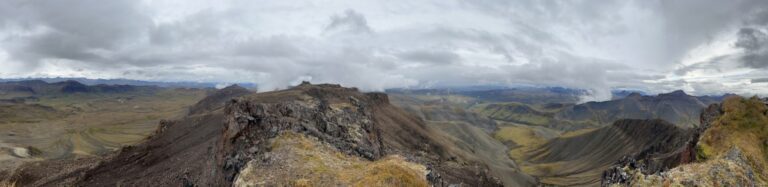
point(71, 86)
point(31, 82)
point(234, 87)
point(305, 83)
point(676, 93)
point(216, 99)
point(634, 95)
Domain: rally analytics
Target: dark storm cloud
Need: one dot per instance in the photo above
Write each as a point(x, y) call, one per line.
point(753, 46)
point(751, 39)
point(8, 10)
point(431, 57)
point(750, 19)
point(685, 28)
point(77, 30)
point(754, 42)
point(350, 21)
point(759, 80)
point(759, 17)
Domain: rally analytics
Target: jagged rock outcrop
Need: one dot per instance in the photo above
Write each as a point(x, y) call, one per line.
point(365, 125)
point(250, 124)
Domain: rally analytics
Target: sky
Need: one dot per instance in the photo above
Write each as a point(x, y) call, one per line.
point(699, 46)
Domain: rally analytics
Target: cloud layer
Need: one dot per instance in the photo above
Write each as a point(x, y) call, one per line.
point(703, 47)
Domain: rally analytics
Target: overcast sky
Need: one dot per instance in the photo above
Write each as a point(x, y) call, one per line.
point(700, 46)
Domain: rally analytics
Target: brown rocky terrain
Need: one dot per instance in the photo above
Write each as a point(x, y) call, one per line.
point(221, 146)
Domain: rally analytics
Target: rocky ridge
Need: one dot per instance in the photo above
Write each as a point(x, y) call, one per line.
point(214, 147)
point(360, 124)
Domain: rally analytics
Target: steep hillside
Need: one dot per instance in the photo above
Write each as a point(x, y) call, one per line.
point(340, 132)
point(581, 158)
point(469, 132)
point(21, 112)
point(443, 108)
point(478, 145)
point(514, 112)
point(731, 151)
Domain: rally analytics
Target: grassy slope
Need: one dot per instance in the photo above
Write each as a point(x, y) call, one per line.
point(744, 125)
point(298, 160)
point(27, 113)
point(516, 135)
point(513, 112)
point(733, 151)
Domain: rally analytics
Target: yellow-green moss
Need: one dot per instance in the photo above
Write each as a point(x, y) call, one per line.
point(305, 161)
point(504, 112)
point(744, 124)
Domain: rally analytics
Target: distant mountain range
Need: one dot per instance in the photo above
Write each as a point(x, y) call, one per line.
point(676, 107)
point(88, 81)
point(38, 87)
point(528, 95)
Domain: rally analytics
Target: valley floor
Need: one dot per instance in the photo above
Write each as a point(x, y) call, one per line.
point(85, 124)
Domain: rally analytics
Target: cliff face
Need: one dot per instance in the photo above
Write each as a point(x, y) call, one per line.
point(361, 124)
point(347, 125)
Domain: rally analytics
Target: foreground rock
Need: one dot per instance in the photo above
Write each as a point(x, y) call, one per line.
point(310, 134)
